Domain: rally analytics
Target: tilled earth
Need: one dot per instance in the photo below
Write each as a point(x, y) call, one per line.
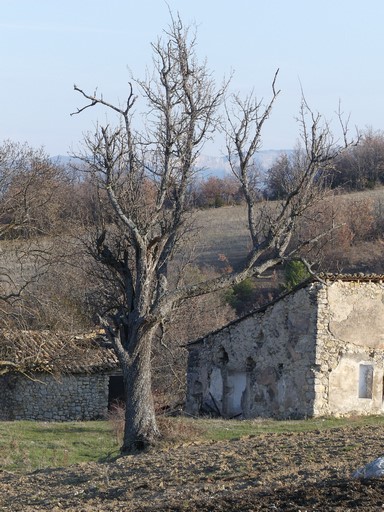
point(294, 472)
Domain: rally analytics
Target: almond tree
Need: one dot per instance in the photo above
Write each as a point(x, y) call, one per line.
point(143, 180)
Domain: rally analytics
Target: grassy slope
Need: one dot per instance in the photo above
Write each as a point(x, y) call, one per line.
point(29, 445)
point(224, 231)
point(26, 445)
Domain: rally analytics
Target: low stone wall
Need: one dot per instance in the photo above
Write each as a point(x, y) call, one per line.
point(49, 398)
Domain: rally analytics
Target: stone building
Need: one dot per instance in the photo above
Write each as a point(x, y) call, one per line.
point(316, 351)
point(56, 377)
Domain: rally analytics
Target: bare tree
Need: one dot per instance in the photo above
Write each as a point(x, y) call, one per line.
point(30, 209)
point(28, 184)
point(279, 177)
point(363, 166)
point(143, 181)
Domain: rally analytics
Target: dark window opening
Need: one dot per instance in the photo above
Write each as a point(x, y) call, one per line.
point(116, 393)
point(222, 357)
point(250, 364)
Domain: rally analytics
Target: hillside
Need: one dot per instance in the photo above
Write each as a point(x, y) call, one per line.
point(224, 231)
point(218, 240)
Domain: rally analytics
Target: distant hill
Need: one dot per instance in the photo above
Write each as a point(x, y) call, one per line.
point(209, 165)
point(63, 160)
point(219, 166)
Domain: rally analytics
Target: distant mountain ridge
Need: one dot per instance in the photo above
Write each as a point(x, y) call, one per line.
point(209, 165)
point(219, 166)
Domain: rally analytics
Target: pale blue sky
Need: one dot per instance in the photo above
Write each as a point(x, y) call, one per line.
point(333, 48)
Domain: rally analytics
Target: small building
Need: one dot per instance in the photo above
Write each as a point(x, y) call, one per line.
point(316, 351)
point(50, 376)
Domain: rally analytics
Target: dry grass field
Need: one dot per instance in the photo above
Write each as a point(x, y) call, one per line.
point(224, 231)
point(291, 471)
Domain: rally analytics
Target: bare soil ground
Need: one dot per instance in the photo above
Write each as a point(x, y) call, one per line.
point(289, 472)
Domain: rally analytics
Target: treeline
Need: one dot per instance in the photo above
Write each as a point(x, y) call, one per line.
point(214, 192)
point(38, 196)
point(359, 168)
point(362, 167)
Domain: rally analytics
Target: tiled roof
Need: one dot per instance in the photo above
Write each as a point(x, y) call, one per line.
point(360, 276)
point(46, 351)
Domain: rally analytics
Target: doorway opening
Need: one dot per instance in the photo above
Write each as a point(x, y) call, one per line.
point(116, 392)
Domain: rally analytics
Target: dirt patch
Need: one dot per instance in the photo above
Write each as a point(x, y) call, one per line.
point(288, 472)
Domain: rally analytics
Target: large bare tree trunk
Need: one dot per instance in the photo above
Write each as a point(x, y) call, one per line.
point(140, 430)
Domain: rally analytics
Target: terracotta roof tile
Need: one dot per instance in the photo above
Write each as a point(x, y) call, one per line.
point(360, 276)
point(46, 351)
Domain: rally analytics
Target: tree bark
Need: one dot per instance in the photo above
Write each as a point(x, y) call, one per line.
point(140, 429)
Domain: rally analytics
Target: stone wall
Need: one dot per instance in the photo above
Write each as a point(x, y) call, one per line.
point(261, 365)
point(49, 398)
point(350, 349)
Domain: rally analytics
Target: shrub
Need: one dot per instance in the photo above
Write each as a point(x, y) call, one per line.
point(241, 296)
point(295, 273)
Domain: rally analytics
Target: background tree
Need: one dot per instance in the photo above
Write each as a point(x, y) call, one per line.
point(216, 192)
point(280, 177)
point(41, 202)
point(34, 209)
point(241, 296)
point(29, 210)
point(143, 179)
point(362, 166)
